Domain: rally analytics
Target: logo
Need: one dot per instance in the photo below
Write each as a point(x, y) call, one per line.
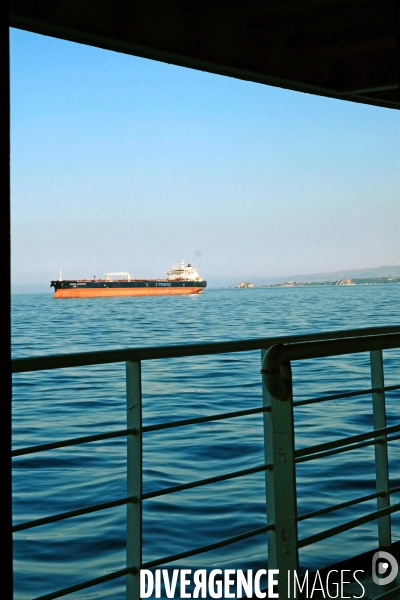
point(384, 568)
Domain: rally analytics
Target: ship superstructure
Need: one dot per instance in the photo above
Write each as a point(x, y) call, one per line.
point(183, 273)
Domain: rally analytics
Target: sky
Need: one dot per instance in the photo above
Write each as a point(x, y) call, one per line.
point(120, 163)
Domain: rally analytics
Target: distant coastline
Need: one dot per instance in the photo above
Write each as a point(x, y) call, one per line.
point(344, 281)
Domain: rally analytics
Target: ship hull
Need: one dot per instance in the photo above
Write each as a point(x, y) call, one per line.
point(102, 289)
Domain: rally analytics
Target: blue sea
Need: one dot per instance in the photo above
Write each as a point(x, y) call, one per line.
point(67, 403)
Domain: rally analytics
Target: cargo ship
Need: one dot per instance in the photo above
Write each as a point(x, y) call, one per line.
point(180, 280)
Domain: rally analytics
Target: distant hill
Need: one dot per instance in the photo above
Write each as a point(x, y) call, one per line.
point(385, 271)
point(345, 281)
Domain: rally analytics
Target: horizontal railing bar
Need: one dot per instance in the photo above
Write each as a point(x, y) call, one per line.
point(73, 442)
point(336, 397)
point(344, 449)
point(232, 540)
point(146, 429)
point(318, 537)
point(323, 511)
point(86, 584)
point(195, 420)
point(393, 593)
point(338, 347)
point(201, 482)
point(81, 359)
point(387, 388)
point(73, 513)
point(336, 451)
point(346, 441)
point(390, 388)
point(394, 490)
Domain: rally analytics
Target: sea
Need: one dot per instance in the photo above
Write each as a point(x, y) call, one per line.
point(65, 403)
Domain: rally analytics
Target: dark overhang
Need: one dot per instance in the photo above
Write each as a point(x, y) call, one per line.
point(344, 49)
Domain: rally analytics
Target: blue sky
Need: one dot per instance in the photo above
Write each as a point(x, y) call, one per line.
point(121, 163)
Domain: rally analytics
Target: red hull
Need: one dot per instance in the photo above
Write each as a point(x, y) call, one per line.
point(107, 292)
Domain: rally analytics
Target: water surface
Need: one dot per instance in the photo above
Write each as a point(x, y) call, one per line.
point(53, 405)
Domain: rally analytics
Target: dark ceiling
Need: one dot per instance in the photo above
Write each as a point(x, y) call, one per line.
point(339, 48)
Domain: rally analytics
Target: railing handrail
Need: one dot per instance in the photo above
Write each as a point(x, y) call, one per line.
point(98, 357)
point(335, 347)
point(276, 363)
point(279, 441)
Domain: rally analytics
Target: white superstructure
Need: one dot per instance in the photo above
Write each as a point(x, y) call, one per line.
point(188, 273)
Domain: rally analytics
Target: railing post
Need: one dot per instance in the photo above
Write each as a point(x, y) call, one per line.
point(134, 478)
point(281, 479)
point(381, 456)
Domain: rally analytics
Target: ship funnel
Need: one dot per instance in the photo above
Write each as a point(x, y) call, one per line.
point(59, 276)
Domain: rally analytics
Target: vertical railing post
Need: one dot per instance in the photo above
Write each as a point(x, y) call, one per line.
point(281, 479)
point(134, 478)
point(381, 455)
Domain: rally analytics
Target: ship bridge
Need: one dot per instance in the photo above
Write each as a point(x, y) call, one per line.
point(344, 49)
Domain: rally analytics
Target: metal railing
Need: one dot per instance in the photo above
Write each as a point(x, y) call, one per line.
point(280, 455)
point(279, 446)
